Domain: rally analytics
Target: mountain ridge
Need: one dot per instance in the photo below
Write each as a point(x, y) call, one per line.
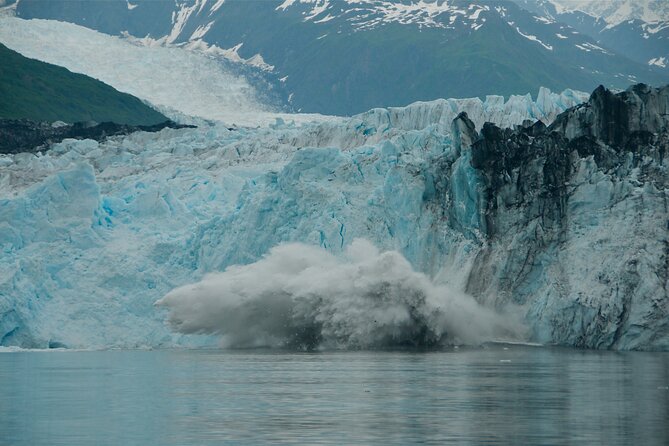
point(37, 90)
point(341, 57)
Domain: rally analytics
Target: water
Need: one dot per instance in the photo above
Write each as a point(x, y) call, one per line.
point(469, 396)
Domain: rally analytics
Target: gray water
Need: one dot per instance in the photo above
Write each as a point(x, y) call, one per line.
point(517, 396)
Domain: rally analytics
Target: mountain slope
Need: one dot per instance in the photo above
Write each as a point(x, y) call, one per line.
point(43, 92)
point(344, 57)
point(179, 82)
point(638, 30)
point(614, 12)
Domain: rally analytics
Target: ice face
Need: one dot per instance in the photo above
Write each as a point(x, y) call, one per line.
point(94, 233)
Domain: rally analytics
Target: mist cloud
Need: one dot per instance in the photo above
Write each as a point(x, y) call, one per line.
point(304, 297)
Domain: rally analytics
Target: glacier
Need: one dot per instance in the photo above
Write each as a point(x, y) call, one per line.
point(94, 233)
point(181, 84)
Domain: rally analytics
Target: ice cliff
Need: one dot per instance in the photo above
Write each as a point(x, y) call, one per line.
point(567, 224)
point(576, 218)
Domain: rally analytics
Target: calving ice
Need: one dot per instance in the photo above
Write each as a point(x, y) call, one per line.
point(301, 296)
point(518, 219)
point(137, 216)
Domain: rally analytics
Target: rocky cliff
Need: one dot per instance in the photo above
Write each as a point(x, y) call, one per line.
point(25, 135)
point(576, 219)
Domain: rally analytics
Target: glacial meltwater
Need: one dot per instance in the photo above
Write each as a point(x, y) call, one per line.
point(494, 395)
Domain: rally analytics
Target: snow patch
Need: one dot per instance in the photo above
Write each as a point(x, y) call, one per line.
point(658, 61)
point(372, 13)
point(590, 47)
point(216, 6)
point(614, 12)
point(534, 39)
point(180, 18)
point(285, 5)
point(257, 61)
point(201, 31)
point(327, 18)
point(321, 6)
point(543, 20)
point(654, 27)
point(476, 13)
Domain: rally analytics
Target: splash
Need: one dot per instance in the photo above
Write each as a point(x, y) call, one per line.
point(301, 296)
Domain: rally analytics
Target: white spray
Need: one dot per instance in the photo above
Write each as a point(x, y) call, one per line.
point(302, 296)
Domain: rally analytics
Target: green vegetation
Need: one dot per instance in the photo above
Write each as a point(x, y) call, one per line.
point(43, 92)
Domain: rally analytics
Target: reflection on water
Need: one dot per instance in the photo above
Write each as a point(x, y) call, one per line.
point(517, 396)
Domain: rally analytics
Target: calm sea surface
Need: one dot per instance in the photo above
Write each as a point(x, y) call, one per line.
point(517, 396)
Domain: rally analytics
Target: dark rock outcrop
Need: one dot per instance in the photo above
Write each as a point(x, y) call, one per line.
point(24, 135)
point(535, 162)
point(617, 119)
point(593, 185)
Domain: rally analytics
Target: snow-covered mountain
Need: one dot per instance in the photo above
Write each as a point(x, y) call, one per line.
point(638, 30)
point(614, 12)
point(343, 57)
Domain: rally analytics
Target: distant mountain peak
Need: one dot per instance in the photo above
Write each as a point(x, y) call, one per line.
point(614, 12)
point(342, 57)
point(369, 14)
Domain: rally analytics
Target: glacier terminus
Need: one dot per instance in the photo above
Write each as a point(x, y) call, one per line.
point(511, 219)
